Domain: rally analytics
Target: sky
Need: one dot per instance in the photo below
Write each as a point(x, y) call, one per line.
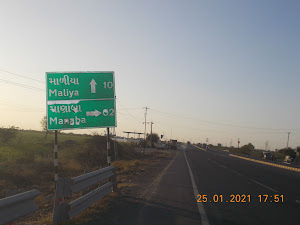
point(216, 70)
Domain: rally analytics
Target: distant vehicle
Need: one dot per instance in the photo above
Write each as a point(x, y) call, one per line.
point(172, 144)
point(204, 145)
point(267, 155)
point(290, 158)
point(161, 145)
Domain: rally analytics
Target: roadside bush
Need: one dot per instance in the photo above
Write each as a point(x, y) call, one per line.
point(7, 134)
point(93, 152)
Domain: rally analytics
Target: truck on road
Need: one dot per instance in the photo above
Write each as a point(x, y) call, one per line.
point(172, 144)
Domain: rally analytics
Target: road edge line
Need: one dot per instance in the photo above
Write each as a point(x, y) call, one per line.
point(199, 148)
point(267, 163)
point(204, 219)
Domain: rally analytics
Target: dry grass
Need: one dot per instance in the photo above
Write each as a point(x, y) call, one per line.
point(122, 185)
point(127, 164)
point(27, 163)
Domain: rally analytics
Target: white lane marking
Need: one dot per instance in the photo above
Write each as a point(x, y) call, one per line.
point(204, 219)
point(225, 167)
point(217, 163)
point(213, 161)
point(237, 173)
point(242, 175)
point(263, 185)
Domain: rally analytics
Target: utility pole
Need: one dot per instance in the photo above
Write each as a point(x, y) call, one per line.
point(151, 134)
point(267, 142)
point(287, 145)
point(146, 108)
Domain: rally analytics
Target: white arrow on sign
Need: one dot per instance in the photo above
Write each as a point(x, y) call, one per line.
point(93, 86)
point(93, 113)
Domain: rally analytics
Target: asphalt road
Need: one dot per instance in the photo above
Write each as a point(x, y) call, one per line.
point(220, 178)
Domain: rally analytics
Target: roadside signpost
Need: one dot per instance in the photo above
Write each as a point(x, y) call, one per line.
point(77, 100)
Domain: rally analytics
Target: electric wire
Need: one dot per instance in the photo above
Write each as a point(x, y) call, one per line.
point(22, 76)
point(18, 106)
point(22, 85)
point(224, 124)
point(134, 117)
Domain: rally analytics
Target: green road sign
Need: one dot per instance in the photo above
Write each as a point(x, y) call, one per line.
point(80, 100)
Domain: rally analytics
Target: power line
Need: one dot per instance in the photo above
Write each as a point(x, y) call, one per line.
point(22, 85)
point(23, 107)
point(224, 124)
point(124, 108)
point(22, 76)
point(130, 108)
point(24, 110)
point(217, 130)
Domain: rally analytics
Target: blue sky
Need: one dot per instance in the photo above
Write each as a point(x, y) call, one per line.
point(206, 69)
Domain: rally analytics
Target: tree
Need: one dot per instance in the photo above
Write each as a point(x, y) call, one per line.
point(8, 133)
point(154, 136)
point(44, 123)
point(287, 151)
point(248, 147)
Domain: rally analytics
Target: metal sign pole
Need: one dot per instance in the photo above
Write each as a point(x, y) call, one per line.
point(55, 159)
point(108, 149)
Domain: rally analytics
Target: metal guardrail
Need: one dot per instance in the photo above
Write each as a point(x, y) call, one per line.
point(17, 206)
point(64, 211)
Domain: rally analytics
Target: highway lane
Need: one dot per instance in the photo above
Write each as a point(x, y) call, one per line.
point(217, 173)
point(171, 199)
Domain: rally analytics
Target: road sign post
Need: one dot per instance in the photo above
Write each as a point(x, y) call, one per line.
point(77, 100)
